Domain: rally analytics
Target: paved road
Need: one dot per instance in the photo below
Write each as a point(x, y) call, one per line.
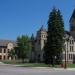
point(13, 70)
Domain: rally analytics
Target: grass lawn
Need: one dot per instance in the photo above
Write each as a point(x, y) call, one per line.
point(35, 64)
point(28, 64)
point(71, 65)
point(44, 65)
point(10, 62)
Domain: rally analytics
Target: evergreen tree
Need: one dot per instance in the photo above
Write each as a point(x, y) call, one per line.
point(33, 42)
point(54, 45)
point(32, 52)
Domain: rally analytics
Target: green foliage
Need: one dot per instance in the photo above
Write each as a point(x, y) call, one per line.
point(23, 47)
point(32, 42)
point(11, 53)
point(32, 52)
point(53, 47)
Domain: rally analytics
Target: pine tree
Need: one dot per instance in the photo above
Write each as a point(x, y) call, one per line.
point(54, 45)
point(32, 52)
point(33, 42)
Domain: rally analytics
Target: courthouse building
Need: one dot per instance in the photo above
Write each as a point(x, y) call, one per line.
point(69, 45)
point(40, 40)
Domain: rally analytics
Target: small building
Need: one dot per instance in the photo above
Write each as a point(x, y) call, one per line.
point(5, 47)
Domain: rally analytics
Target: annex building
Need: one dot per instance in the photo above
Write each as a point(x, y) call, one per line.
point(5, 47)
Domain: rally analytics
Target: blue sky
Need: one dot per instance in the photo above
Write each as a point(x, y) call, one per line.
point(19, 17)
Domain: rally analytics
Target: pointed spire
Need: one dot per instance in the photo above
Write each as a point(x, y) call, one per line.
point(42, 28)
point(32, 36)
point(73, 15)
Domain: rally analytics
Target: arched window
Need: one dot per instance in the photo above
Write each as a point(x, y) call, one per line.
point(0, 50)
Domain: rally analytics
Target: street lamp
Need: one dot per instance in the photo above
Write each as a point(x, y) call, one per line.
point(66, 52)
point(65, 65)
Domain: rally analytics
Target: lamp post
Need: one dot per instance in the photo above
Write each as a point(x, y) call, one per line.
point(66, 53)
point(65, 66)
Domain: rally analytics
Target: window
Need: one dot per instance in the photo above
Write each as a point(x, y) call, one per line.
point(69, 57)
point(70, 48)
point(0, 50)
point(44, 36)
point(0, 57)
point(8, 50)
point(72, 42)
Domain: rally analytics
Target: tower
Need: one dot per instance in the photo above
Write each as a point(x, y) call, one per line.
point(72, 24)
point(41, 39)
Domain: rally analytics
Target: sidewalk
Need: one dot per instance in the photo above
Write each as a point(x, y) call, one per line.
point(54, 68)
point(40, 68)
point(50, 68)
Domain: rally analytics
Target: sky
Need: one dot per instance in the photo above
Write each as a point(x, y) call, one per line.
point(24, 17)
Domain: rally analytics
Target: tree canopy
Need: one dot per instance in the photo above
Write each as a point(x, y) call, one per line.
point(54, 45)
point(23, 47)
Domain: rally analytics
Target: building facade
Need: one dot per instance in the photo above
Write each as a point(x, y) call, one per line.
point(5, 47)
point(69, 45)
point(41, 39)
point(69, 48)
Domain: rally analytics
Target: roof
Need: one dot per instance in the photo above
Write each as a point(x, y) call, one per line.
point(5, 42)
point(67, 32)
point(73, 15)
point(42, 29)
